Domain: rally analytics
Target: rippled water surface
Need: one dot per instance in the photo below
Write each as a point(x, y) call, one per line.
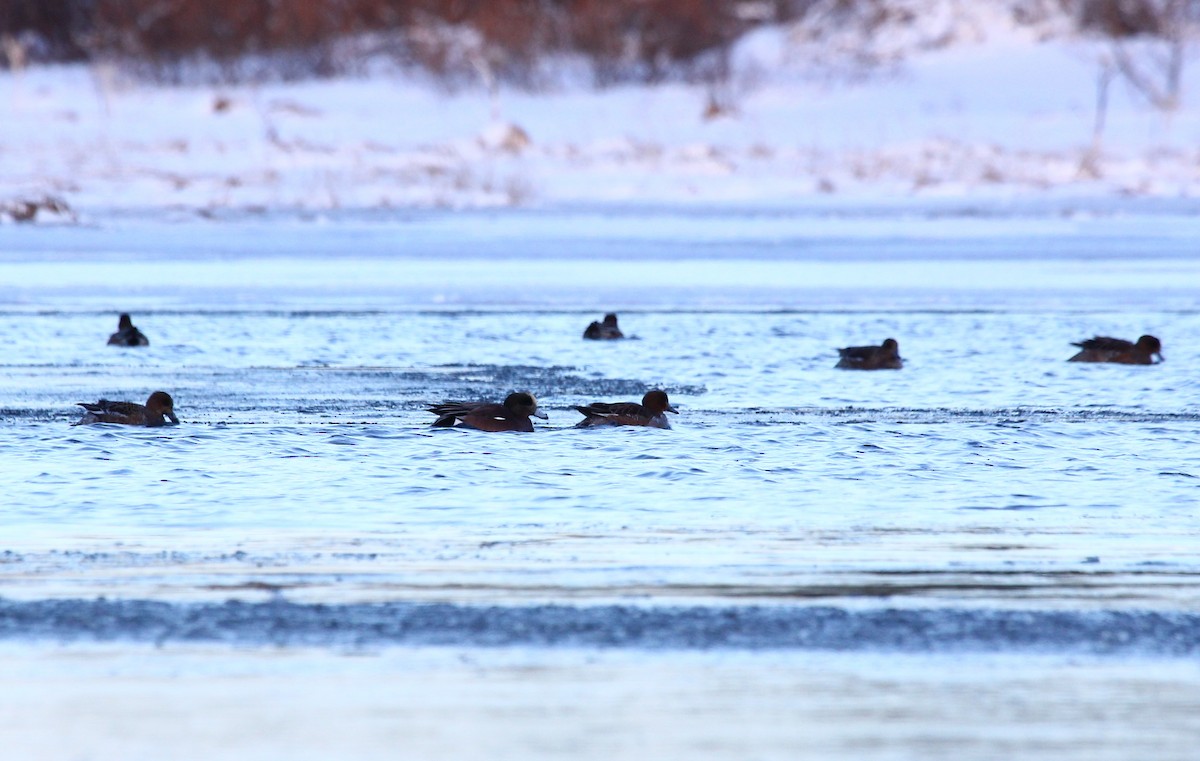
point(988, 554)
point(301, 354)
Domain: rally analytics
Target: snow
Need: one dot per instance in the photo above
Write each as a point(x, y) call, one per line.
point(958, 101)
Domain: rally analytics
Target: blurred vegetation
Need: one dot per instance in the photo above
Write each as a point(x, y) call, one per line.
point(456, 41)
point(622, 40)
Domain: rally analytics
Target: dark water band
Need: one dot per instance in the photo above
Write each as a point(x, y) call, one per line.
point(282, 623)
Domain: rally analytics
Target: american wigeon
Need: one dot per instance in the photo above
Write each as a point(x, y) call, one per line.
point(155, 412)
point(127, 334)
point(1105, 349)
point(883, 357)
point(513, 415)
point(602, 331)
point(648, 413)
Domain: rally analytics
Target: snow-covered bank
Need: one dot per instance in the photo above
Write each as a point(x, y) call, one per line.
point(1008, 115)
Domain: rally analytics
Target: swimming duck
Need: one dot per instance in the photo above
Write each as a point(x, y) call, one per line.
point(648, 413)
point(883, 357)
point(155, 412)
point(127, 334)
point(513, 415)
point(602, 331)
point(1105, 349)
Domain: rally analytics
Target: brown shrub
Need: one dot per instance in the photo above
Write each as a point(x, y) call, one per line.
point(48, 29)
point(621, 39)
point(1132, 18)
point(505, 40)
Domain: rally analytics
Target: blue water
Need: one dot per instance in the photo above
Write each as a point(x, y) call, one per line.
point(987, 475)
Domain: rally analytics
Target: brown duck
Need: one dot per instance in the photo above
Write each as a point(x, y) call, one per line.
point(155, 412)
point(883, 357)
point(648, 413)
point(1105, 349)
point(512, 415)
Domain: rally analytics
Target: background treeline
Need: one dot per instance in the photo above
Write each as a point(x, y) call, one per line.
point(506, 40)
point(622, 40)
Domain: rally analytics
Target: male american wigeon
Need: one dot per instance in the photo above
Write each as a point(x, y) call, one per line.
point(155, 412)
point(602, 331)
point(513, 415)
point(648, 413)
point(883, 357)
point(1105, 349)
point(127, 334)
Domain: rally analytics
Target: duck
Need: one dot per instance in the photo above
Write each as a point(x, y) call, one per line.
point(886, 356)
point(1106, 349)
point(649, 413)
point(159, 408)
point(127, 334)
point(604, 331)
point(512, 415)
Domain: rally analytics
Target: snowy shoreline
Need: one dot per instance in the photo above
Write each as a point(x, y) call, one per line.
point(1003, 119)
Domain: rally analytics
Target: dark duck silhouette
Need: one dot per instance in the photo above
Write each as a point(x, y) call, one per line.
point(1105, 349)
point(512, 415)
point(604, 331)
point(127, 334)
point(159, 408)
point(649, 413)
point(883, 357)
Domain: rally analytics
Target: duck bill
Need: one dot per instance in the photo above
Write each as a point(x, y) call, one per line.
point(540, 414)
point(671, 408)
point(1158, 354)
point(171, 416)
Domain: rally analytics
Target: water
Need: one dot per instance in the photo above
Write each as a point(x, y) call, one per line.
point(1010, 502)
